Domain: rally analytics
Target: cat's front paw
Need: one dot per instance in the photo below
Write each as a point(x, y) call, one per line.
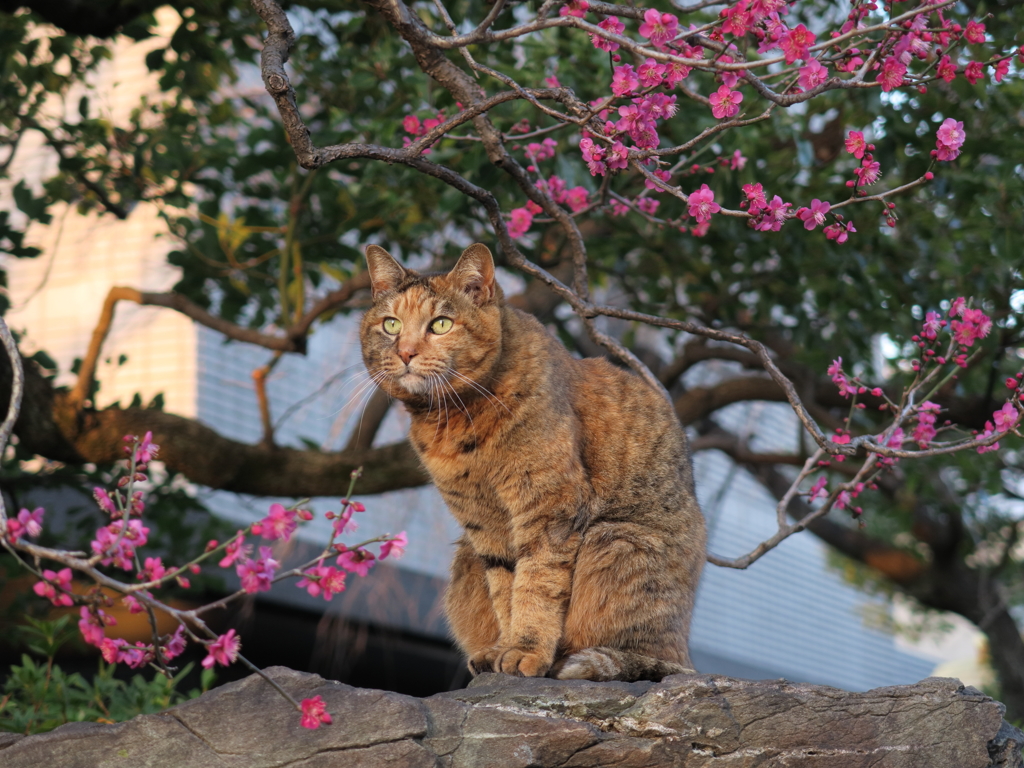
point(516, 661)
point(484, 661)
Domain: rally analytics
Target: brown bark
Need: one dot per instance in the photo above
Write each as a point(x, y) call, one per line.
point(51, 425)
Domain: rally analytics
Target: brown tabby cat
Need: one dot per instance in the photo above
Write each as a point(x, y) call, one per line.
point(583, 539)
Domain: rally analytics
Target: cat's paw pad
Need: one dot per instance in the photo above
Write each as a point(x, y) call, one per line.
point(515, 661)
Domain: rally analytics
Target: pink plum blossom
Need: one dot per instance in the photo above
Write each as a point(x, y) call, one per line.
point(279, 524)
point(647, 205)
point(147, 451)
point(357, 561)
point(258, 575)
point(990, 431)
point(796, 43)
point(153, 569)
point(618, 156)
point(105, 502)
point(577, 199)
point(1002, 68)
point(344, 523)
point(947, 69)
point(949, 138)
point(25, 524)
point(932, 324)
point(659, 27)
point(868, 173)
point(132, 603)
point(773, 216)
point(812, 75)
point(117, 549)
point(725, 102)
point(657, 106)
point(815, 215)
point(577, 8)
point(53, 581)
point(893, 71)
point(975, 32)
point(91, 625)
point(1006, 417)
point(755, 198)
point(675, 73)
point(610, 24)
point(624, 80)
point(394, 547)
point(176, 645)
point(223, 650)
point(973, 325)
point(820, 488)
point(324, 579)
point(728, 77)
point(839, 378)
point(738, 19)
point(520, 224)
point(664, 176)
point(840, 232)
point(314, 711)
point(650, 73)
point(974, 72)
point(412, 125)
point(236, 549)
point(925, 431)
point(855, 144)
point(702, 204)
point(737, 162)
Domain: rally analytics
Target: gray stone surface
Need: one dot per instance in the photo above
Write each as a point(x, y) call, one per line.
point(696, 721)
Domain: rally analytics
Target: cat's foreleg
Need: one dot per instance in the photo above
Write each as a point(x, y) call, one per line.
point(468, 605)
point(541, 587)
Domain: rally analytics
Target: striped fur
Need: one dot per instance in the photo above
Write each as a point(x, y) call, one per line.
point(583, 542)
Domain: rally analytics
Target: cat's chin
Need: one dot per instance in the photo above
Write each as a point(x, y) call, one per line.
point(414, 384)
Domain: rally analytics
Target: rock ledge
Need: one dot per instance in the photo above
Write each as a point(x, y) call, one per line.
point(685, 720)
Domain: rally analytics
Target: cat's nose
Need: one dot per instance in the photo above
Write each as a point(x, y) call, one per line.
point(406, 355)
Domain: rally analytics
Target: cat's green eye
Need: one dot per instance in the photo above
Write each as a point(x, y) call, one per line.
point(392, 325)
point(441, 325)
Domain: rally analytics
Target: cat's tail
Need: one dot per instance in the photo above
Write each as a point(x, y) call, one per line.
point(604, 664)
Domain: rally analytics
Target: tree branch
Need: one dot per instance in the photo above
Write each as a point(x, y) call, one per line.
point(51, 424)
point(293, 340)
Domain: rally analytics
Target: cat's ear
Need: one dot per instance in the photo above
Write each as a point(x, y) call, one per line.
point(474, 273)
point(385, 272)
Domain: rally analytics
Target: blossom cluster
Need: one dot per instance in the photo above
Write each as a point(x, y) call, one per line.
point(623, 129)
point(117, 544)
point(942, 341)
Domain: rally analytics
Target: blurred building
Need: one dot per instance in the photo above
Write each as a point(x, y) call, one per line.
point(789, 615)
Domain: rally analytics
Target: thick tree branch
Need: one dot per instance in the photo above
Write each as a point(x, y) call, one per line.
point(51, 424)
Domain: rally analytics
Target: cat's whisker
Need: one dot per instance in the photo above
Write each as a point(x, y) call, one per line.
point(354, 382)
point(461, 405)
point(433, 391)
point(365, 402)
point(444, 401)
point(490, 396)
